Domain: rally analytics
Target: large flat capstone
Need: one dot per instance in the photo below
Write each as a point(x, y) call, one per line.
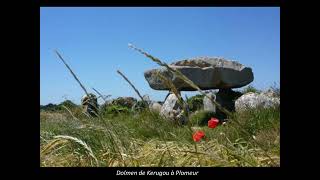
point(206, 72)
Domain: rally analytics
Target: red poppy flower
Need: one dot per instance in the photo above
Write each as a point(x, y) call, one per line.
point(197, 136)
point(213, 122)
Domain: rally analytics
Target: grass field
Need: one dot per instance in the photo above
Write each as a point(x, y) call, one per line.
point(70, 139)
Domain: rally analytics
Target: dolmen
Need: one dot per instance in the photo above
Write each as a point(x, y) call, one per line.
point(208, 73)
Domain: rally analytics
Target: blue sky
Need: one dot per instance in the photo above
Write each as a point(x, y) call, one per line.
point(94, 42)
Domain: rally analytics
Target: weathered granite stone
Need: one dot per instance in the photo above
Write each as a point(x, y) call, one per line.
point(172, 110)
point(226, 98)
point(155, 106)
point(207, 103)
point(207, 73)
point(124, 101)
point(254, 100)
point(90, 104)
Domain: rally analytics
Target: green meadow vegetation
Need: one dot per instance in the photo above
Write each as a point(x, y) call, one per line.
point(69, 138)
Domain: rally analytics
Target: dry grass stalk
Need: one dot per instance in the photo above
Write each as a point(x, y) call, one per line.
point(51, 145)
point(100, 95)
point(70, 112)
point(73, 74)
point(134, 88)
point(82, 143)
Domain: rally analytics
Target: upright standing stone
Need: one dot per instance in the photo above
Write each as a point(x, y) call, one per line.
point(147, 99)
point(90, 104)
point(155, 106)
point(170, 106)
point(226, 98)
point(172, 110)
point(207, 103)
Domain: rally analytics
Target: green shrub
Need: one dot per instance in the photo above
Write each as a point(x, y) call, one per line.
point(59, 107)
point(200, 117)
point(195, 102)
point(51, 107)
point(116, 109)
point(250, 88)
point(139, 106)
point(68, 104)
point(124, 101)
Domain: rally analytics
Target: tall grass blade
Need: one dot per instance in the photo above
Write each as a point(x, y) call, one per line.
point(134, 88)
point(82, 143)
point(73, 74)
